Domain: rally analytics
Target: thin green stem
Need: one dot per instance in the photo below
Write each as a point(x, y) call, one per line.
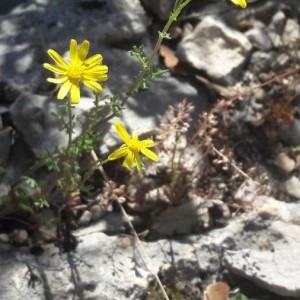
point(179, 6)
point(97, 164)
point(70, 122)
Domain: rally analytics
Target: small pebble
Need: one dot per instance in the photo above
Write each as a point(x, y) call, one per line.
point(85, 218)
point(97, 212)
point(20, 236)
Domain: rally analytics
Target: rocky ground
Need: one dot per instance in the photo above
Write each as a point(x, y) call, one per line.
point(231, 215)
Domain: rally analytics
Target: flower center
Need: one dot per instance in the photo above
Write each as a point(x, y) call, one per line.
point(74, 73)
point(134, 145)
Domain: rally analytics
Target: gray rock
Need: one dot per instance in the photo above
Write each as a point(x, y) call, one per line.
point(291, 32)
point(127, 21)
point(32, 115)
point(193, 216)
point(290, 133)
point(292, 186)
point(276, 28)
point(97, 212)
point(259, 38)
point(6, 140)
point(275, 271)
point(19, 236)
point(285, 231)
point(161, 8)
point(270, 208)
point(216, 49)
point(85, 218)
point(285, 163)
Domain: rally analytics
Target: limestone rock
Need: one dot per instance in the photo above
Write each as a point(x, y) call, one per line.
point(215, 49)
point(277, 271)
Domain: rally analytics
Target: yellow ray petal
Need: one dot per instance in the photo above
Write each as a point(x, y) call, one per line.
point(138, 162)
point(73, 52)
point(58, 80)
point(83, 50)
point(64, 90)
point(122, 132)
point(57, 58)
point(55, 69)
point(94, 86)
point(150, 154)
point(93, 60)
point(128, 162)
point(147, 143)
point(118, 153)
point(75, 93)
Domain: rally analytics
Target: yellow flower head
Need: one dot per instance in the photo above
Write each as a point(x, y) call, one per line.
point(132, 148)
point(241, 3)
point(79, 69)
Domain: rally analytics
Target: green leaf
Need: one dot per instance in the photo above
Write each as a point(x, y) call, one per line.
point(239, 297)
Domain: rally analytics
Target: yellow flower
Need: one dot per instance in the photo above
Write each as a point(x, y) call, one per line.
point(79, 69)
point(132, 148)
point(241, 3)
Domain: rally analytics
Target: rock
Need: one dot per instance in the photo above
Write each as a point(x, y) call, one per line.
point(215, 49)
point(292, 187)
point(270, 208)
point(127, 22)
point(275, 271)
point(289, 134)
point(161, 8)
point(262, 61)
point(85, 218)
point(97, 212)
point(285, 231)
point(6, 141)
point(19, 236)
point(4, 238)
point(259, 38)
point(284, 163)
point(291, 32)
point(276, 28)
point(193, 216)
point(32, 115)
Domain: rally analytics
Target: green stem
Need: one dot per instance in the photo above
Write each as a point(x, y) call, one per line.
point(179, 6)
point(176, 11)
point(97, 164)
point(68, 172)
point(70, 122)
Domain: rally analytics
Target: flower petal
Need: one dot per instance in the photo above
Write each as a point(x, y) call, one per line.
point(123, 151)
point(57, 58)
point(241, 3)
point(83, 50)
point(150, 154)
point(138, 161)
point(75, 93)
point(128, 162)
point(73, 52)
point(58, 80)
point(147, 143)
point(95, 77)
point(94, 86)
point(122, 132)
point(96, 69)
point(55, 69)
point(93, 60)
point(64, 89)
